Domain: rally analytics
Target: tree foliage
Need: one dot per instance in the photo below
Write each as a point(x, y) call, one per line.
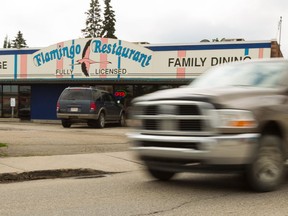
point(95, 25)
point(109, 21)
point(7, 43)
point(19, 42)
point(93, 22)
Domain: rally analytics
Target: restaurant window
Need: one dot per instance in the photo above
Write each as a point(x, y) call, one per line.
point(1, 99)
point(10, 92)
point(24, 102)
point(21, 95)
point(123, 94)
point(108, 88)
point(144, 89)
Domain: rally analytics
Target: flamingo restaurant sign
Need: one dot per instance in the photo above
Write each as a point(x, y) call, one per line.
point(56, 54)
point(92, 58)
point(125, 52)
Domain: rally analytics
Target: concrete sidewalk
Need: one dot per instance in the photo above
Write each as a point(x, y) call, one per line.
point(107, 162)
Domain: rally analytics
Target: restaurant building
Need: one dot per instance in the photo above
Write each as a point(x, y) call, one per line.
point(31, 80)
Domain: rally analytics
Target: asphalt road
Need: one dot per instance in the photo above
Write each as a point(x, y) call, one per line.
point(39, 139)
point(128, 193)
point(135, 194)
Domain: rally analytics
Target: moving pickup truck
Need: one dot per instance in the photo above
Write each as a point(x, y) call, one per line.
point(232, 118)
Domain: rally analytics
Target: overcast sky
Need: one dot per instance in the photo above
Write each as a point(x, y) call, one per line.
point(44, 23)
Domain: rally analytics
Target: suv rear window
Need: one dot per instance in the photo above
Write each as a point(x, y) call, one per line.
point(76, 94)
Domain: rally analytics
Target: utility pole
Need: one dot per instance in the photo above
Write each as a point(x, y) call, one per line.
point(280, 28)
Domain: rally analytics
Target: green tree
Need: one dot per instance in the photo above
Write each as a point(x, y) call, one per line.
point(93, 22)
point(109, 21)
point(19, 41)
point(7, 43)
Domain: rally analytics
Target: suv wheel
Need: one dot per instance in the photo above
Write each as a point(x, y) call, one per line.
point(101, 120)
point(122, 121)
point(267, 170)
point(160, 174)
point(66, 123)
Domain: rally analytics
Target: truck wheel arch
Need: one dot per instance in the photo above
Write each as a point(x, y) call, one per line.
point(276, 129)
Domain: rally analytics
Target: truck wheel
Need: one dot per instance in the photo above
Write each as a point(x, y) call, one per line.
point(101, 121)
point(66, 123)
point(266, 172)
point(160, 174)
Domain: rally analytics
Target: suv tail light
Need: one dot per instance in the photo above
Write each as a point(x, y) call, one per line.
point(58, 106)
point(92, 106)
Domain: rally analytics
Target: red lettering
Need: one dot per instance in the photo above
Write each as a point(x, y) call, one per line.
point(120, 94)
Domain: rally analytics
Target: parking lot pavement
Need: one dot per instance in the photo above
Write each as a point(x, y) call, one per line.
point(39, 139)
point(29, 147)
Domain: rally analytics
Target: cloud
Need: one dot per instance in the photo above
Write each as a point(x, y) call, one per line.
point(154, 21)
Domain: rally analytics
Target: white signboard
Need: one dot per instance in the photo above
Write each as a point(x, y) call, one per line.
point(111, 59)
point(92, 58)
point(12, 102)
point(189, 61)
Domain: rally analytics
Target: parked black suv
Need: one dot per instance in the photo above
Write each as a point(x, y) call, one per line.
point(91, 105)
